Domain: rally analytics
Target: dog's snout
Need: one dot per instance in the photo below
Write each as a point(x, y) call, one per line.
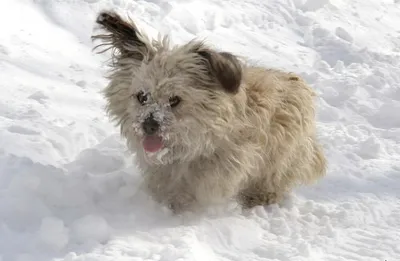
point(150, 125)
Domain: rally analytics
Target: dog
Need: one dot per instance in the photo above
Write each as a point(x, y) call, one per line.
point(205, 126)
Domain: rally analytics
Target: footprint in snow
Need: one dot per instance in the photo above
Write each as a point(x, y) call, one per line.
point(81, 84)
point(39, 96)
point(3, 50)
point(22, 130)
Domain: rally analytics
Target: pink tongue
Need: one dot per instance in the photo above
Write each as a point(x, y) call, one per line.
point(152, 143)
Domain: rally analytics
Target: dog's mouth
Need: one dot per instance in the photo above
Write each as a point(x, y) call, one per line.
point(152, 143)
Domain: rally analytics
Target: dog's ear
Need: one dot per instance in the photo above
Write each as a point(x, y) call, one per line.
point(124, 37)
point(224, 67)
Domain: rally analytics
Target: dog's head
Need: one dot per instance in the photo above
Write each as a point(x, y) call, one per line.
point(170, 103)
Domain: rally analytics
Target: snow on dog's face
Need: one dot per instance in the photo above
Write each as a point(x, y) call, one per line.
point(170, 103)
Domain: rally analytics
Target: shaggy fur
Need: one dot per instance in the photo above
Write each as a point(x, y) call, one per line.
point(228, 130)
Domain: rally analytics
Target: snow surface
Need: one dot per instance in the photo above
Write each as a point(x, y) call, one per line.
point(69, 192)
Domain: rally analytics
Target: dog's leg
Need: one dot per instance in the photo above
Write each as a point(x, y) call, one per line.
point(169, 191)
point(258, 196)
point(266, 189)
point(308, 164)
point(215, 186)
point(181, 202)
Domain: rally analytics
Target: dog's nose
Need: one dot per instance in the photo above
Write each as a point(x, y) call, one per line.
point(150, 125)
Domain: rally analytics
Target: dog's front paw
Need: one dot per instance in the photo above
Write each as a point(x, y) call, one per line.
point(181, 203)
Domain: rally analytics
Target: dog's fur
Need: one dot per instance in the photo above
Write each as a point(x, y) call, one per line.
point(240, 132)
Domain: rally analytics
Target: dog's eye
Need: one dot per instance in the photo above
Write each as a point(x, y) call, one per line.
point(174, 101)
point(141, 97)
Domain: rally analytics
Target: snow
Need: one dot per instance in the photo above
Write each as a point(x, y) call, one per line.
point(53, 233)
point(68, 190)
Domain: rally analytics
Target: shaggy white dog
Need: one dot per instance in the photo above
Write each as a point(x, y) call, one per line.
point(206, 127)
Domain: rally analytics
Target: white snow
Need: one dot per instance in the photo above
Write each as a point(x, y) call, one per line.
point(53, 233)
point(68, 190)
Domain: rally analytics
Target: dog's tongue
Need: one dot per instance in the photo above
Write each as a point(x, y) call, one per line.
point(152, 143)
